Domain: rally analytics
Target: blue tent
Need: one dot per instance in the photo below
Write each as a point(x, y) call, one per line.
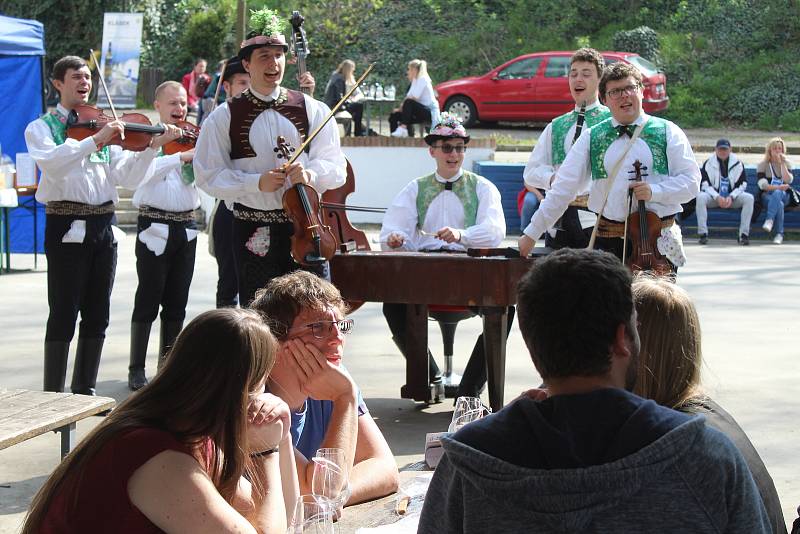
point(21, 101)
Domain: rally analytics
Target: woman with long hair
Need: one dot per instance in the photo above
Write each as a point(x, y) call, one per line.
point(774, 176)
point(341, 81)
point(420, 103)
point(669, 367)
point(200, 449)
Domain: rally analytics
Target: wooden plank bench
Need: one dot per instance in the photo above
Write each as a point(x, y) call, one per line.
point(26, 414)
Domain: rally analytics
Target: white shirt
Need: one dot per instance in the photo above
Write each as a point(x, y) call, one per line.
point(237, 180)
point(164, 189)
point(669, 191)
point(540, 166)
point(421, 90)
point(67, 173)
point(445, 210)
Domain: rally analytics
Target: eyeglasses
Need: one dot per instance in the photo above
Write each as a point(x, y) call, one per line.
point(448, 149)
point(323, 329)
point(627, 90)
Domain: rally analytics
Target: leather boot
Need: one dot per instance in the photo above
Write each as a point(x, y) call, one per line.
point(169, 332)
point(140, 335)
point(87, 363)
point(56, 354)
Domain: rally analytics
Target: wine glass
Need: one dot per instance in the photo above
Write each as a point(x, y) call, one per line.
point(312, 515)
point(467, 409)
point(330, 476)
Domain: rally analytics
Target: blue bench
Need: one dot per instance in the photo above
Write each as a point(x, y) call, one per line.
point(508, 179)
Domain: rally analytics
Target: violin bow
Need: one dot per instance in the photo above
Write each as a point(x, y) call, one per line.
point(219, 84)
point(105, 89)
point(329, 116)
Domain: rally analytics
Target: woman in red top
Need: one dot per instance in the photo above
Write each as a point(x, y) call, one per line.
point(200, 449)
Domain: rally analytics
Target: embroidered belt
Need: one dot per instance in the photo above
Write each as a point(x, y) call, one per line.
point(245, 213)
point(609, 228)
point(581, 202)
point(66, 207)
point(162, 215)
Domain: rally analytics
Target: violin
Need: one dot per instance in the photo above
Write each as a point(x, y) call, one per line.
point(186, 141)
point(85, 121)
point(313, 243)
point(645, 229)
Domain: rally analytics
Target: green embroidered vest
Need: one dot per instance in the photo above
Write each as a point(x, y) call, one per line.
point(654, 134)
point(464, 188)
point(562, 124)
point(58, 127)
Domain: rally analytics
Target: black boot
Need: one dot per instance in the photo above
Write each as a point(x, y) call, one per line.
point(87, 363)
point(169, 332)
point(56, 354)
point(140, 335)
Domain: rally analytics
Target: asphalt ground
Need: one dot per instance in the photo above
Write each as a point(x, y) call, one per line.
point(746, 296)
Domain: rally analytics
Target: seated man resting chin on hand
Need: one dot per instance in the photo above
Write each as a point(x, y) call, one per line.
point(307, 314)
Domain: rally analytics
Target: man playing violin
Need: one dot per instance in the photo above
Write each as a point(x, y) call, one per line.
point(236, 161)
point(603, 157)
point(79, 189)
point(449, 210)
point(165, 246)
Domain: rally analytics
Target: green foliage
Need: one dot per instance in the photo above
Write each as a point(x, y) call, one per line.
point(266, 22)
point(642, 40)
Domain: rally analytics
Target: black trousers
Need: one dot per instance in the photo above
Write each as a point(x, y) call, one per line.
point(165, 279)
point(227, 282)
point(80, 277)
point(571, 234)
point(356, 109)
point(411, 112)
point(256, 269)
point(475, 373)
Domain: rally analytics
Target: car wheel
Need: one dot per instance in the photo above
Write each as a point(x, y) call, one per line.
point(463, 108)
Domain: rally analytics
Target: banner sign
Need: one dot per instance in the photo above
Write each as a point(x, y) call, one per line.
point(122, 42)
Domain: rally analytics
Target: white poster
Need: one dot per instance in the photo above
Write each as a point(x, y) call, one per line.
point(122, 41)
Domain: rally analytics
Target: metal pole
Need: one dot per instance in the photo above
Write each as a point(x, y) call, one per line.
point(241, 24)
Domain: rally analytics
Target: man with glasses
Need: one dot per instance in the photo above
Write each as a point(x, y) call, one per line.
point(604, 155)
point(306, 314)
point(451, 210)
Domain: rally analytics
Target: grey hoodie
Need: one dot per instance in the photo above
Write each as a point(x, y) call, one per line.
point(637, 468)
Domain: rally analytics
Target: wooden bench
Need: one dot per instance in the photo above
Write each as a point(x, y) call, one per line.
point(26, 414)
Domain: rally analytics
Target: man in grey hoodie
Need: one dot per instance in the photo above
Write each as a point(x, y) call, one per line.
point(586, 455)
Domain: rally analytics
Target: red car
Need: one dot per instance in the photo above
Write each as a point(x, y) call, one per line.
point(534, 87)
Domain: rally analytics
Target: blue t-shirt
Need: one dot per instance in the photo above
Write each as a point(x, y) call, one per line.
point(309, 425)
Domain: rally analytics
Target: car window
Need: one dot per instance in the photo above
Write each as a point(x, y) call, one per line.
point(524, 68)
point(647, 68)
point(557, 67)
point(610, 60)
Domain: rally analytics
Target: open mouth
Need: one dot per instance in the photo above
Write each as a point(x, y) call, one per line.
point(83, 92)
point(176, 116)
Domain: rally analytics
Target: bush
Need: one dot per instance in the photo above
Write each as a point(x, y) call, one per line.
point(642, 40)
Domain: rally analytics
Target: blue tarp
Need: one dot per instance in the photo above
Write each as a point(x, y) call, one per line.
point(21, 51)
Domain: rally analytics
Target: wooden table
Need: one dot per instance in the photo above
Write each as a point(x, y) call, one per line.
point(26, 414)
point(423, 278)
point(374, 513)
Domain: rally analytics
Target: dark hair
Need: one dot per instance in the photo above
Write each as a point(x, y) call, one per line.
point(64, 64)
point(569, 306)
point(198, 60)
point(200, 396)
point(618, 71)
point(589, 55)
point(285, 297)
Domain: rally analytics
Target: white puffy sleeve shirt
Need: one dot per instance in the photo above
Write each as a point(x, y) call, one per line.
point(237, 180)
point(445, 210)
point(67, 173)
point(163, 187)
point(669, 191)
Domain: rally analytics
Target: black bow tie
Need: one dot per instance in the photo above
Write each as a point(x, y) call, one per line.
point(626, 129)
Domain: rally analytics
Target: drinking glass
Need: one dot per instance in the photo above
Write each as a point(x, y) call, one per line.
point(312, 515)
point(330, 476)
point(467, 409)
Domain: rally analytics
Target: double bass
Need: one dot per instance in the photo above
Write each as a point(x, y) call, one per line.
point(644, 230)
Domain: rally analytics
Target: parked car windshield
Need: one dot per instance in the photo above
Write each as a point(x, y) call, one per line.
point(524, 68)
point(647, 68)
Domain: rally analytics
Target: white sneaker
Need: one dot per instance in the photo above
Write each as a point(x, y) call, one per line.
point(400, 131)
point(778, 239)
point(767, 224)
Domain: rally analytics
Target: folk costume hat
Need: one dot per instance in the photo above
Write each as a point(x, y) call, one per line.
point(266, 29)
point(233, 66)
point(448, 127)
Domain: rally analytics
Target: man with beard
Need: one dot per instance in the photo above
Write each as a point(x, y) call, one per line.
point(236, 161)
point(586, 455)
